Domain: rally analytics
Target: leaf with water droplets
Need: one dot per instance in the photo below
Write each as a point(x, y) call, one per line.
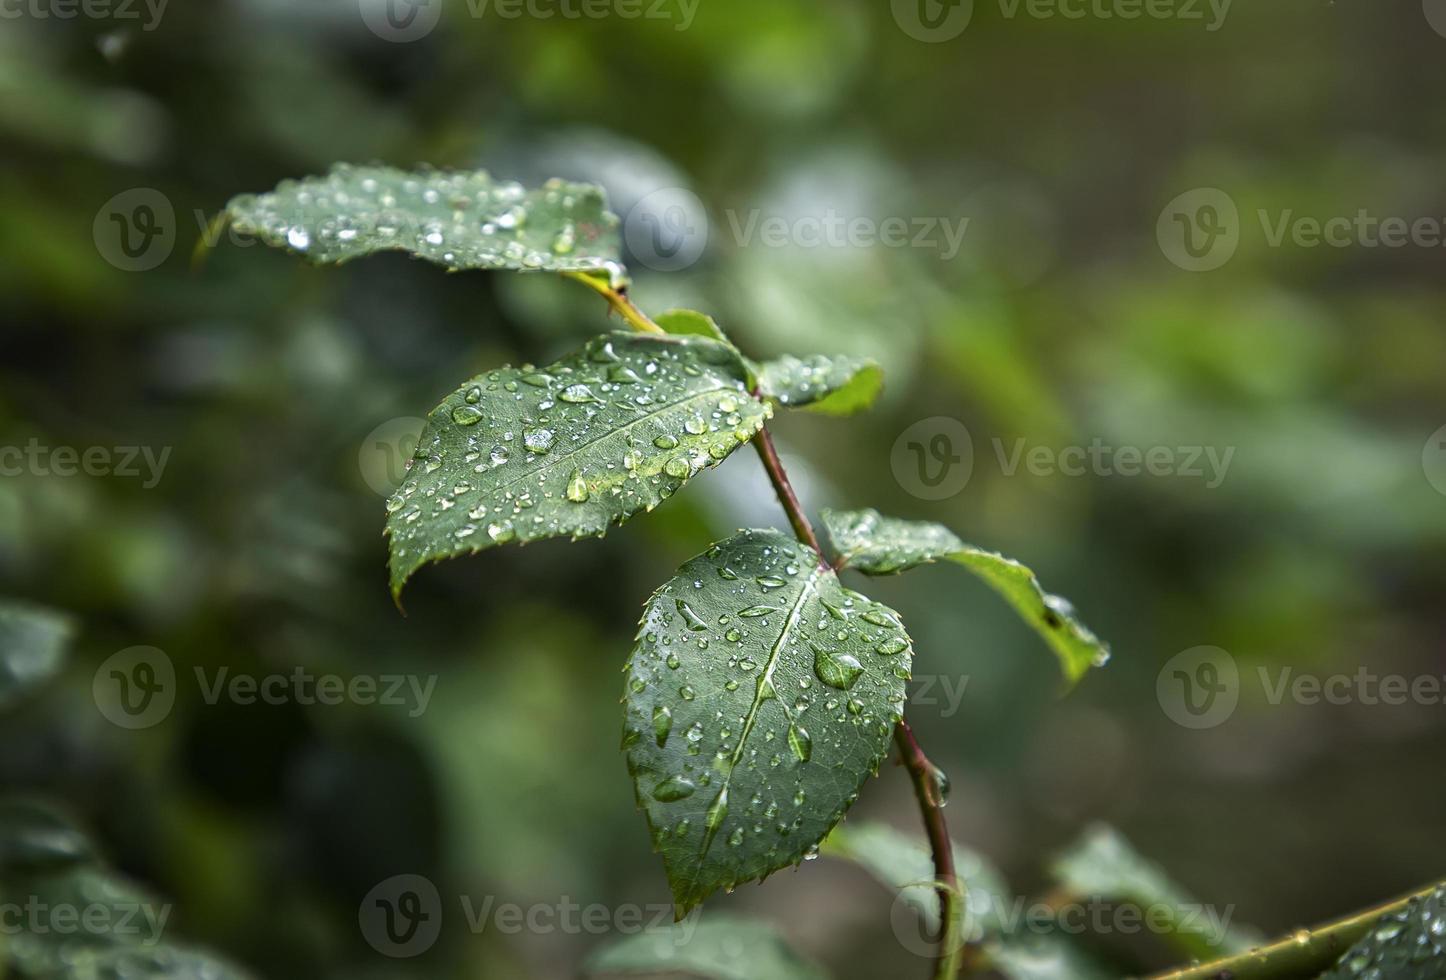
point(1103, 866)
point(519, 454)
point(1407, 944)
point(789, 708)
point(718, 947)
point(877, 545)
point(828, 385)
point(457, 219)
point(33, 643)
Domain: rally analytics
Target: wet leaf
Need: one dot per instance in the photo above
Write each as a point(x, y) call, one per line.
point(760, 695)
point(719, 947)
point(457, 219)
point(690, 323)
point(877, 545)
point(828, 385)
point(1409, 944)
point(33, 644)
point(519, 454)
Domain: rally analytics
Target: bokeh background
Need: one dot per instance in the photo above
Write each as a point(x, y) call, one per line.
point(1066, 317)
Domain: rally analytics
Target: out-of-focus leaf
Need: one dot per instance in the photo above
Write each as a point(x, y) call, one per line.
point(720, 948)
point(1046, 956)
point(461, 220)
point(1103, 865)
point(1409, 944)
point(33, 836)
point(519, 454)
point(828, 385)
point(33, 643)
point(877, 545)
point(690, 322)
point(761, 694)
point(904, 863)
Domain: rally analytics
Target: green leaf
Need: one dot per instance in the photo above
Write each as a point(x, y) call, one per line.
point(1103, 865)
point(33, 644)
point(877, 545)
point(519, 454)
point(1408, 944)
point(761, 694)
point(457, 219)
point(34, 836)
point(905, 863)
point(720, 948)
point(690, 323)
point(828, 385)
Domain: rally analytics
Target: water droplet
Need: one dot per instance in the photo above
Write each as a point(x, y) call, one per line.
point(718, 810)
point(466, 415)
point(674, 788)
point(577, 488)
point(665, 442)
point(800, 742)
point(756, 612)
point(577, 394)
point(692, 619)
point(298, 238)
point(837, 670)
point(662, 724)
point(891, 646)
point(678, 467)
point(770, 582)
point(538, 440)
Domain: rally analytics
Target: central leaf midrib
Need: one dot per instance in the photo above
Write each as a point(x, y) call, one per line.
point(758, 698)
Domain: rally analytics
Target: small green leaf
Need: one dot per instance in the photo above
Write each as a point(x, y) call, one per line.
point(1103, 865)
point(33, 644)
point(719, 948)
point(1408, 944)
point(877, 545)
point(828, 385)
point(905, 863)
point(457, 219)
point(519, 454)
point(761, 694)
point(690, 323)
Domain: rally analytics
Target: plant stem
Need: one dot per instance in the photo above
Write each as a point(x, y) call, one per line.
point(619, 301)
point(763, 442)
point(951, 896)
point(1305, 953)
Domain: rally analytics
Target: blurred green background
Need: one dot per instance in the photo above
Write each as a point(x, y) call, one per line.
point(1063, 319)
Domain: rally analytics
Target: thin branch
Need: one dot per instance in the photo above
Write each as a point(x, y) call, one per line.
point(1304, 953)
point(951, 895)
point(619, 301)
point(767, 452)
